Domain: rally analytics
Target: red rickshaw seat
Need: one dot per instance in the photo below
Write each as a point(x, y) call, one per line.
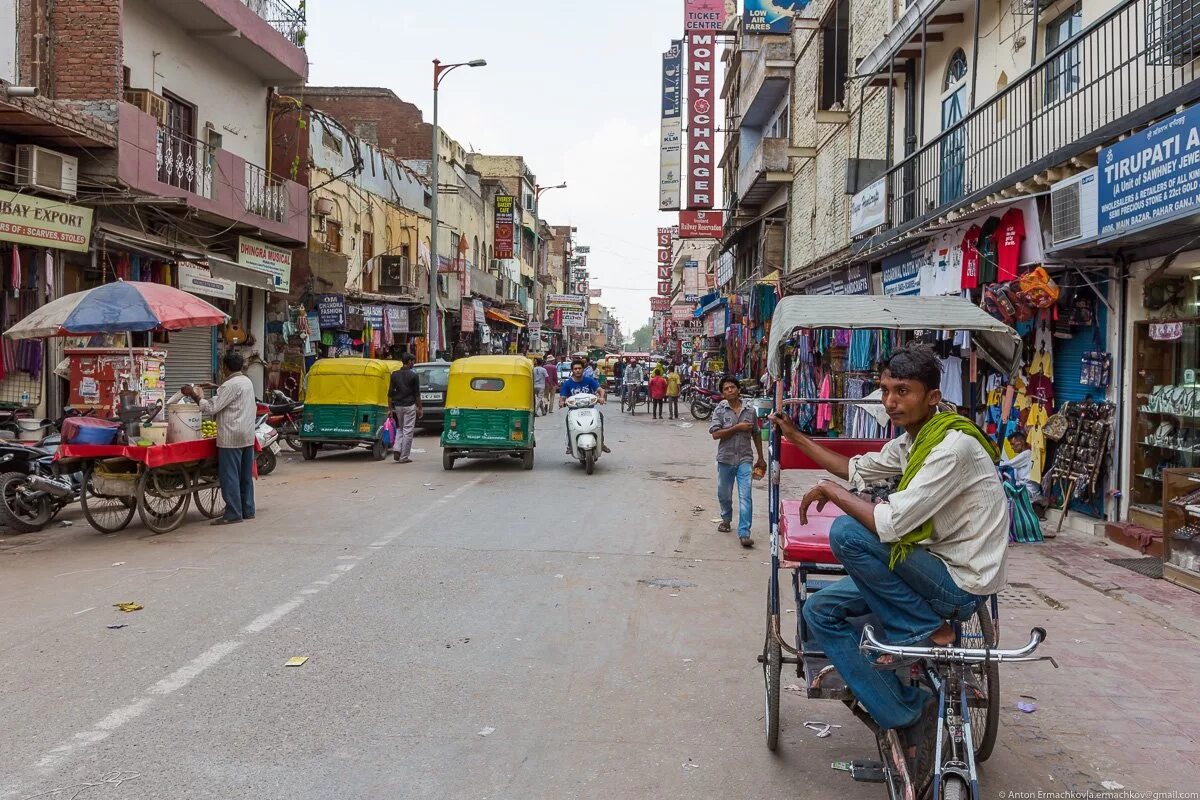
point(792, 457)
point(807, 543)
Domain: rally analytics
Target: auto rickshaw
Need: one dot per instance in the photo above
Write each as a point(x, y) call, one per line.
point(346, 405)
point(489, 410)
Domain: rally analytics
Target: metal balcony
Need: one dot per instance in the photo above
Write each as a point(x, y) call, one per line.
point(282, 17)
point(185, 162)
point(1129, 67)
point(266, 195)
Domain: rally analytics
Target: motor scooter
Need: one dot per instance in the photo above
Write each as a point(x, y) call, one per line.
point(267, 457)
point(585, 429)
point(284, 415)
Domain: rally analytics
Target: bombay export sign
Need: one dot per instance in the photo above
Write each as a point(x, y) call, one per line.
point(1152, 176)
point(36, 221)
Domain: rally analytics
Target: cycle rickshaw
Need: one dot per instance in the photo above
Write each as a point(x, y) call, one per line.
point(965, 676)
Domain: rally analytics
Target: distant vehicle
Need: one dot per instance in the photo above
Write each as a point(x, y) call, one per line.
point(564, 371)
point(434, 377)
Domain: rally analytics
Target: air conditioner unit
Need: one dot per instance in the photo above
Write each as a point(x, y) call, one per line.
point(153, 104)
point(1073, 208)
point(46, 170)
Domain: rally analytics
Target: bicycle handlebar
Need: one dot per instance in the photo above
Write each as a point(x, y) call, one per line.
point(961, 655)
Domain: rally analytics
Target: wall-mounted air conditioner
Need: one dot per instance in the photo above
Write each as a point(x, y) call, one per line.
point(47, 171)
point(153, 104)
point(1073, 209)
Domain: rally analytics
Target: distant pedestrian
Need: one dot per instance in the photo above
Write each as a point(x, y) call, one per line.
point(658, 391)
point(540, 380)
point(733, 427)
point(673, 384)
point(404, 394)
point(551, 381)
point(234, 409)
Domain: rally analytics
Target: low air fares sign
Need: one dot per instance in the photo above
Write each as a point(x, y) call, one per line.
point(702, 60)
point(1152, 176)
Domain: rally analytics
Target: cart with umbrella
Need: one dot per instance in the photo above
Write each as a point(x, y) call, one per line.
point(157, 482)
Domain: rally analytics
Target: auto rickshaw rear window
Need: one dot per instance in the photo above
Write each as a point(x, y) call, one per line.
point(487, 384)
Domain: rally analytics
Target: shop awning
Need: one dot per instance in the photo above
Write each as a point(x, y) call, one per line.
point(711, 306)
point(497, 316)
point(218, 266)
point(245, 276)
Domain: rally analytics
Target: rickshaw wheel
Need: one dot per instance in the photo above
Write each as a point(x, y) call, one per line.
point(209, 502)
point(527, 459)
point(308, 450)
point(105, 513)
point(378, 450)
point(159, 512)
point(772, 663)
point(447, 460)
point(984, 711)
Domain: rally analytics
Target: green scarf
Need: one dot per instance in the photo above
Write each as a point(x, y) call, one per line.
point(930, 436)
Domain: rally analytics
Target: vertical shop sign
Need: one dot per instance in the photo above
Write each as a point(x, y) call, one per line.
point(702, 60)
point(468, 317)
point(671, 128)
point(664, 262)
point(691, 281)
point(502, 247)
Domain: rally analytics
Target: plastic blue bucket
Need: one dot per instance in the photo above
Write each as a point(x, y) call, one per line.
point(94, 434)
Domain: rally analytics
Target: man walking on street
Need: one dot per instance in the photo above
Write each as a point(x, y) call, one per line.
point(233, 407)
point(539, 381)
point(733, 427)
point(673, 383)
point(405, 396)
point(551, 381)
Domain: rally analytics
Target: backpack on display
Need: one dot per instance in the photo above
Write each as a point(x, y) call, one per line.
point(1038, 289)
point(997, 303)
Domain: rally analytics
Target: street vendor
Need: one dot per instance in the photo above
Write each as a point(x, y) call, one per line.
point(233, 408)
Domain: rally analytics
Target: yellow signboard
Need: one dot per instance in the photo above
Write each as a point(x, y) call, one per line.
point(41, 222)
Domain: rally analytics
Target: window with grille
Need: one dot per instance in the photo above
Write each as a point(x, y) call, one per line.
point(1062, 73)
point(1172, 32)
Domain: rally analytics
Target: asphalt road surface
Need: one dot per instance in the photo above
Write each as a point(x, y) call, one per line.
point(481, 633)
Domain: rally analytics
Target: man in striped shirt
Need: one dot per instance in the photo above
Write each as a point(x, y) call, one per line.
point(915, 589)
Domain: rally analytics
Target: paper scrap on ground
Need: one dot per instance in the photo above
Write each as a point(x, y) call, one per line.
point(1028, 708)
point(488, 731)
point(128, 607)
point(296, 661)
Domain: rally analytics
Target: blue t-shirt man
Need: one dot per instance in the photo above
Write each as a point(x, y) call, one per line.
point(585, 385)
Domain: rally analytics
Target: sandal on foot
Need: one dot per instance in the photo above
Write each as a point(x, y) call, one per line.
point(724, 527)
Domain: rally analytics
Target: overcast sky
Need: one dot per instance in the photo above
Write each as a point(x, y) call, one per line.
point(573, 87)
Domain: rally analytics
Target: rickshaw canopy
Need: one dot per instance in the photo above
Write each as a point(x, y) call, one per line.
point(349, 381)
point(999, 344)
point(500, 382)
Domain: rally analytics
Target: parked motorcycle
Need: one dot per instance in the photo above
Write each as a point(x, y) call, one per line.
point(31, 491)
point(703, 403)
point(284, 415)
point(585, 429)
point(268, 442)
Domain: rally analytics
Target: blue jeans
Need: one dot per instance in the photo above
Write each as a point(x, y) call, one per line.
point(235, 468)
point(726, 475)
point(911, 603)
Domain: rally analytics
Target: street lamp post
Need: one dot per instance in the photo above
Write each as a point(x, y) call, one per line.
point(439, 71)
point(537, 236)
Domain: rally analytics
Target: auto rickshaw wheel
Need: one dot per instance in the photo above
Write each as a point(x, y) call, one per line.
point(308, 450)
point(447, 460)
point(378, 450)
point(527, 459)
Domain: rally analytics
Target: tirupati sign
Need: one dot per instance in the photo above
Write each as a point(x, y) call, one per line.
point(702, 61)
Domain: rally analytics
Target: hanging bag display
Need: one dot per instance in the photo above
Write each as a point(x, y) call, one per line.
point(1038, 289)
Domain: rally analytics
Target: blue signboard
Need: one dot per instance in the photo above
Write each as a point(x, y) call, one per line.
point(672, 80)
point(761, 17)
point(331, 310)
point(902, 272)
point(1152, 176)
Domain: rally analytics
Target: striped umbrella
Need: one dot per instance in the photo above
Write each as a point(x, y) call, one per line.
point(121, 307)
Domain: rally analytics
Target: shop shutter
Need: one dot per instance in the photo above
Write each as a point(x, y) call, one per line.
point(189, 358)
point(1068, 359)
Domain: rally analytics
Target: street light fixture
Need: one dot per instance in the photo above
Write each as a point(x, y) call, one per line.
point(439, 72)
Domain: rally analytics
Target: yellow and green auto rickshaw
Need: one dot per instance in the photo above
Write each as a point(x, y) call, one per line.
point(346, 405)
point(489, 410)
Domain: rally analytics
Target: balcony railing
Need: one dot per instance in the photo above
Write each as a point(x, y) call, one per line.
point(266, 195)
point(282, 17)
point(1135, 63)
point(185, 162)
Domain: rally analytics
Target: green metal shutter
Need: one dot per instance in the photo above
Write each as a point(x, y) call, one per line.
point(1068, 359)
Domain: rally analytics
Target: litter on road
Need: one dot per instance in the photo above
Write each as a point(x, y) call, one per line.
point(822, 729)
point(296, 661)
point(117, 626)
point(487, 731)
point(1028, 708)
point(129, 607)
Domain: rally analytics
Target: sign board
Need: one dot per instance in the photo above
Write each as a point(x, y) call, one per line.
point(275, 261)
point(468, 317)
point(331, 311)
point(691, 281)
point(725, 268)
point(902, 272)
point(574, 319)
point(670, 149)
point(535, 326)
point(681, 312)
point(567, 302)
point(398, 319)
point(480, 317)
point(595, 293)
point(659, 304)
point(858, 279)
point(701, 224)
point(868, 208)
point(703, 15)
point(702, 109)
point(196, 279)
point(25, 219)
point(583, 249)
point(664, 288)
point(373, 316)
point(1152, 176)
point(503, 234)
point(761, 17)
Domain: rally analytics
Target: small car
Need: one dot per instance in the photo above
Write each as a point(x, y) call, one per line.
point(434, 377)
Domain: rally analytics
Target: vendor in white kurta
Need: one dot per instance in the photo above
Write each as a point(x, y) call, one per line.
point(233, 407)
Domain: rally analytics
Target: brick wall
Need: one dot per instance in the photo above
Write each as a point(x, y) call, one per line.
point(86, 53)
point(377, 115)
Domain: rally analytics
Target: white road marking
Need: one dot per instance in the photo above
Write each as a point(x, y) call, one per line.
point(183, 676)
point(84, 611)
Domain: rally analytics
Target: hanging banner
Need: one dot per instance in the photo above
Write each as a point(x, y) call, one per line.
point(762, 17)
point(480, 317)
point(702, 61)
point(701, 224)
point(567, 302)
point(670, 151)
point(691, 281)
point(868, 208)
point(703, 15)
point(468, 317)
point(596, 293)
point(725, 268)
point(502, 247)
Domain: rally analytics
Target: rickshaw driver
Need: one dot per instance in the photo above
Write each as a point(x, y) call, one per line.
point(578, 383)
point(928, 554)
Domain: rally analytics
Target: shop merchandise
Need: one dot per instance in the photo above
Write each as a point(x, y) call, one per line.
point(970, 258)
point(952, 389)
point(1009, 236)
point(989, 268)
point(1080, 460)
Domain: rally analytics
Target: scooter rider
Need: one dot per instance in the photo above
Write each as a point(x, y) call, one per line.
point(579, 384)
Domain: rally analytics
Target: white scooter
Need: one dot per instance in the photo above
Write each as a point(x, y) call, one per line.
point(585, 431)
point(268, 442)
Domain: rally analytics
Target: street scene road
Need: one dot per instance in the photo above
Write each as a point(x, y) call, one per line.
point(495, 633)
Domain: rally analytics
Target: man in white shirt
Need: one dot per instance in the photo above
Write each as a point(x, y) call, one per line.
point(233, 408)
point(952, 498)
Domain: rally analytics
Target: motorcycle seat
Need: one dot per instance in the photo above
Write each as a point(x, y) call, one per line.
point(285, 408)
point(809, 543)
